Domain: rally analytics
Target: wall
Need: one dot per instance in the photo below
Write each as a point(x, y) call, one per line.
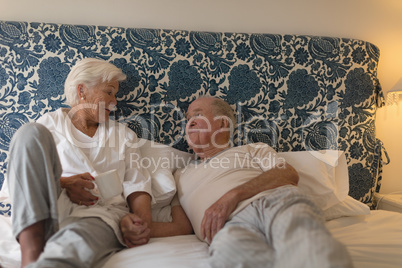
point(379, 22)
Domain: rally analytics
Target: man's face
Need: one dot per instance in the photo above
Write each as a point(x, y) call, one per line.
point(202, 126)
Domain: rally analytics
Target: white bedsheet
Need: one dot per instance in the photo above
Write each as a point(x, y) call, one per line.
point(9, 248)
point(184, 251)
point(373, 240)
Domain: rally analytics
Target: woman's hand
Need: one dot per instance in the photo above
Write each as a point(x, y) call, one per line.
point(75, 187)
point(135, 231)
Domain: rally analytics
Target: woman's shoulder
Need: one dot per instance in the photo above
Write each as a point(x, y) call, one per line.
point(54, 116)
point(122, 129)
point(64, 110)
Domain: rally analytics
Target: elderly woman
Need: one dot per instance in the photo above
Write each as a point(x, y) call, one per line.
point(56, 219)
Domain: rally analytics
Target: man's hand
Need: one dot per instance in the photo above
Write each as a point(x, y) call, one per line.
point(217, 214)
point(134, 230)
point(76, 188)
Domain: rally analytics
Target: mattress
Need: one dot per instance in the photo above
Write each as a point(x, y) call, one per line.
point(373, 240)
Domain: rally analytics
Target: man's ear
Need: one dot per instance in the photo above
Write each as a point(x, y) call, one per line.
point(225, 122)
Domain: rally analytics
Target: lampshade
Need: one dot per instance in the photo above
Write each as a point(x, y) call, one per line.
point(394, 92)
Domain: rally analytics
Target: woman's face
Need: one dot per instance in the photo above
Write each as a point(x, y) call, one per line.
point(100, 100)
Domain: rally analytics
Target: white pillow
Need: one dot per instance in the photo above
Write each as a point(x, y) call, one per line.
point(4, 189)
point(323, 175)
point(162, 161)
point(346, 208)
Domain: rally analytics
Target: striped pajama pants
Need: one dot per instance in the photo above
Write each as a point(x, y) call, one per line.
point(33, 173)
point(283, 229)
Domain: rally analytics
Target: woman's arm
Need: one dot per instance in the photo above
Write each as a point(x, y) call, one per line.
point(140, 205)
point(135, 231)
point(135, 226)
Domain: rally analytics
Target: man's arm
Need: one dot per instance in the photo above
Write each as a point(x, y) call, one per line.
point(135, 226)
point(180, 224)
point(218, 213)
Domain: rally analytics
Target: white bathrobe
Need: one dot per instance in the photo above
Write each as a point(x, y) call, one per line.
point(112, 147)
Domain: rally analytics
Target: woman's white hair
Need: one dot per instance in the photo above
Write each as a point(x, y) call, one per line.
point(89, 72)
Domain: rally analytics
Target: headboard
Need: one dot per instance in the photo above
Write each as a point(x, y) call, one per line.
point(294, 92)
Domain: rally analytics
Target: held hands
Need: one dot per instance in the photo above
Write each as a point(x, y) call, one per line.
point(135, 231)
point(75, 187)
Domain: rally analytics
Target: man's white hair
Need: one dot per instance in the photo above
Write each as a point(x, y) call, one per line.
point(222, 108)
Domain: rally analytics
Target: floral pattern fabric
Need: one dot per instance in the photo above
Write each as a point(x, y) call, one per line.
point(294, 92)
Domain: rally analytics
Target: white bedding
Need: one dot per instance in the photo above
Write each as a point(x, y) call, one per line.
point(374, 240)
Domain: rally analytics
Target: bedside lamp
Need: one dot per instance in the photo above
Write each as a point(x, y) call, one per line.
point(394, 92)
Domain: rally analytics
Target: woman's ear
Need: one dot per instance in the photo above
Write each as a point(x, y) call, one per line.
point(80, 91)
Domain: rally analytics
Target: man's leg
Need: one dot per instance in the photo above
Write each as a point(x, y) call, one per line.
point(33, 172)
point(240, 246)
point(295, 227)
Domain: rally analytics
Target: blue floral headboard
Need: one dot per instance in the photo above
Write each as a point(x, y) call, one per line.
point(294, 92)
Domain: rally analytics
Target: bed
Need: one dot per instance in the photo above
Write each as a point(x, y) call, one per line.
point(312, 98)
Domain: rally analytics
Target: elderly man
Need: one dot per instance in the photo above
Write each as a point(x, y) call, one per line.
point(245, 201)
